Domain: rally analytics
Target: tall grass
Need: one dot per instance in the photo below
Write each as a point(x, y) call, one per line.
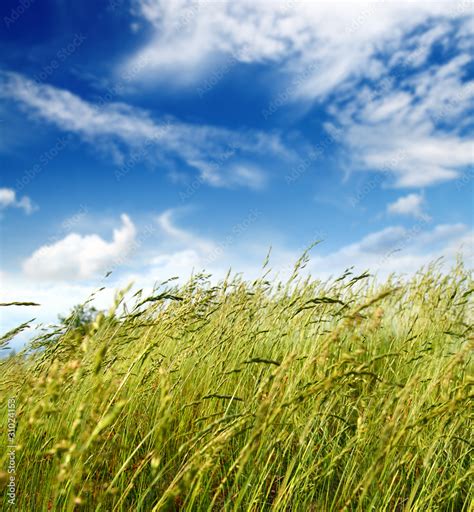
point(304, 396)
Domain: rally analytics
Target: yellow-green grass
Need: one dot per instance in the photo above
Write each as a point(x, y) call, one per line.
point(247, 396)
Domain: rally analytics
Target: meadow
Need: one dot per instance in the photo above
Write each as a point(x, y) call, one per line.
point(344, 395)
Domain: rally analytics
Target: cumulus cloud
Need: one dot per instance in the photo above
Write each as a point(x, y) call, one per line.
point(8, 199)
point(411, 205)
point(216, 153)
point(81, 257)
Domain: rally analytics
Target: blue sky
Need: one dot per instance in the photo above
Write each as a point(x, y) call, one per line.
point(153, 138)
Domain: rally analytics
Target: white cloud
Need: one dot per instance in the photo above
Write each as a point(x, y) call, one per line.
point(8, 199)
point(393, 249)
point(233, 175)
point(330, 41)
point(165, 221)
point(411, 204)
point(217, 153)
point(411, 130)
point(399, 250)
point(77, 257)
point(183, 251)
point(325, 51)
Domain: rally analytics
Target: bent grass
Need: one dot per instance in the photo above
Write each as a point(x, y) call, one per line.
point(307, 396)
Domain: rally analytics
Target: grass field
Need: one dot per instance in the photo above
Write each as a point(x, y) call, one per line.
point(246, 396)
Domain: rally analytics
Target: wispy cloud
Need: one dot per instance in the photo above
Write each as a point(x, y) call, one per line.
point(366, 60)
point(400, 250)
point(183, 250)
point(182, 236)
point(332, 41)
point(395, 248)
point(116, 124)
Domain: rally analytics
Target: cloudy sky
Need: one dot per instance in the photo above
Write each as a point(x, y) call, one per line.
point(151, 138)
